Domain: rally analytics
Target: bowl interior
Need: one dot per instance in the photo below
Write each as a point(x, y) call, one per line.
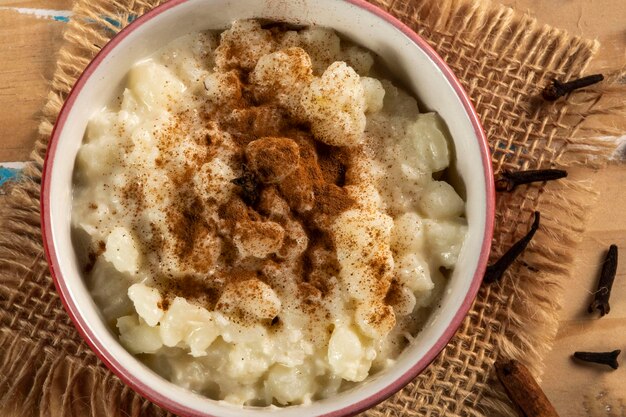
point(412, 63)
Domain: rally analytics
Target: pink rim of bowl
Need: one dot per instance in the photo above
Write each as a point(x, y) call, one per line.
point(83, 327)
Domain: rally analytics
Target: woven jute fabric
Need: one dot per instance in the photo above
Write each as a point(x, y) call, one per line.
point(503, 60)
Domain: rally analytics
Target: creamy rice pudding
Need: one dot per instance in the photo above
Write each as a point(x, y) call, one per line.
point(261, 214)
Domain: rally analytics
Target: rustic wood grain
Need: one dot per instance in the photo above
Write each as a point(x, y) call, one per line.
point(586, 391)
point(576, 390)
point(604, 20)
point(27, 56)
point(28, 46)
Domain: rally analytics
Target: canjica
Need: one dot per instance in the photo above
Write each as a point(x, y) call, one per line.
point(262, 215)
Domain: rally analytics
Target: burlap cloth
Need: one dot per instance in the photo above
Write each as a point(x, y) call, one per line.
point(503, 60)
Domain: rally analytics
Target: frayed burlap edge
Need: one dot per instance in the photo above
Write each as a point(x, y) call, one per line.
point(46, 370)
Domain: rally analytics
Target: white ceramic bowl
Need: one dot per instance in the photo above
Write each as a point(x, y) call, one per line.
point(412, 61)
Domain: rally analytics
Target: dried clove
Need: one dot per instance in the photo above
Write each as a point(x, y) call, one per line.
point(558, 89)
point(249, 186)
point(605, 284)
point(523, 390)
point(494, 272)
point(603, 358)
point(508, 180)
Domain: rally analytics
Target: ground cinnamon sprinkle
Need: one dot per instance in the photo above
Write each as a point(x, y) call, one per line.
point(319, 262)
point(191, 288)
point(186, 223)
point(333, 162)
point(394, 294)
point(93, 255)
point(164, 304)
point(273, 159)
point(289, 182)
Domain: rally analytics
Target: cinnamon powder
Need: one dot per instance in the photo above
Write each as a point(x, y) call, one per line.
point(296, 181)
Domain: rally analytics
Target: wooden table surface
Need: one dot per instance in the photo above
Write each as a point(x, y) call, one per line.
point(30, 35)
